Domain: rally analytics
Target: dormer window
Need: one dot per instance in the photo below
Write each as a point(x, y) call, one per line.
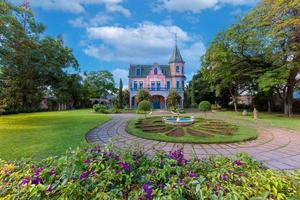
point(177, 69)
point(155, 71)
point(138, 72)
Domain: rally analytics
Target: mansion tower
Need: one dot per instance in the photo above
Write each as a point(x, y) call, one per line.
point(159, 80)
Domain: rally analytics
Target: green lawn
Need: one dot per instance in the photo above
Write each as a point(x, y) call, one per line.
point(242, 134)
point(275, 119)
point(39, 135)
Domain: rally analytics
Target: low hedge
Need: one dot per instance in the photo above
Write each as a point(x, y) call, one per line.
point(97, 173)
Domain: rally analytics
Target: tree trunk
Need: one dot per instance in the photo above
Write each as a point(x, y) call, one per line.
point(269, 106)
point(234, 100)
point(289, 97)
point(235, 106)
point(288, 105)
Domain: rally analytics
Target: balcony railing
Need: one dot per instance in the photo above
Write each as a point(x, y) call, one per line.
point(157, 89)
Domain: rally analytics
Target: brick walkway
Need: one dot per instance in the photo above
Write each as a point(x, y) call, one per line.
point(276, 148)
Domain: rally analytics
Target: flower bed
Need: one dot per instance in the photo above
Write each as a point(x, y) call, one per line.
point(208, 131)
point(105, 174)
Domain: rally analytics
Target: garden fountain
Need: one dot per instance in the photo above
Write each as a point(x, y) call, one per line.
point(179, 121)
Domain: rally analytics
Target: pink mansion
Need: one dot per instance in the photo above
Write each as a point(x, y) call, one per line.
point(158, 79)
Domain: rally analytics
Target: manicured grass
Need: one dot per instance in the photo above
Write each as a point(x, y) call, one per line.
point(242, 134)
point(39, 135)
point(275, 119)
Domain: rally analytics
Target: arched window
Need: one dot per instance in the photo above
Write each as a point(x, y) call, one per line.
point(177, 69)
point(155, 71)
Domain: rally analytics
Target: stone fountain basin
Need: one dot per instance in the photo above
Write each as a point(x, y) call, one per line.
point(179, 121)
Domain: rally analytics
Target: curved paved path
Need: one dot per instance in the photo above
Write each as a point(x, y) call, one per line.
point(276, 148)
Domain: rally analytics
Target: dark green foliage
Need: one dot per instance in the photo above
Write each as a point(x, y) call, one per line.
point(126, 96)
point(99, 108)
point(199, 90)
point(204, 106)
point(98, 83)
point(144, 106)
point(32, 66)
point(143, 94)
point(120, 95)
point(173, 100)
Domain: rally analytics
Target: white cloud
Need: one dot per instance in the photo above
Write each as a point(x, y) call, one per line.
point(76, 6)
point(120, 73)
point(144, 44)
point(98, 20)
point(118, 8)
point(198, 5)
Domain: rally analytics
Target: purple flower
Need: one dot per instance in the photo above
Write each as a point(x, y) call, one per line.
point(117, 158)
point(230, 172)
point(118, 171)
point(87, 162)
point(52, 172)
point(125, 166)
point(108, 154)
point(38, 171)
point(241, 174)
point(237, 163)
point(25, 181)
point(177, 155)
point(84, 175)
point(148, 190)
point(225, 177)
point(50, 188)
point(161, 186)
point(192, 175)
point(36, 180)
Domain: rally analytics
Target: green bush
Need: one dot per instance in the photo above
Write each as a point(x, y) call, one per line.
point(204, 106)
point(144, 106)
point(142, 95)
point(99, 108)
point(109, 173)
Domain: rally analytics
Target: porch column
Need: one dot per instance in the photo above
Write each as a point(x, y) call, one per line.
point(130, 101)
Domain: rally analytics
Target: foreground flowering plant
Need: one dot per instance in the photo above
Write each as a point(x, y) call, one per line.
point(105, 173)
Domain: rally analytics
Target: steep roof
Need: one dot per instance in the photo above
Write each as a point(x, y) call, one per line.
point(145, 69)
point(176, 56)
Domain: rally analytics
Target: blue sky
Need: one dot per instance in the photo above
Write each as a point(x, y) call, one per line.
point(111, 34)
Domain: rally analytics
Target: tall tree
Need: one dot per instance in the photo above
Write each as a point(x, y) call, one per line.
point(126, 96)
point(99, 82)
point(120, 95)
point(30, 63)
point(173, 99)
point(142, 95)
point(281, 20)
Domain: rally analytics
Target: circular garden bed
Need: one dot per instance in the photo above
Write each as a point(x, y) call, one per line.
point(202, 131)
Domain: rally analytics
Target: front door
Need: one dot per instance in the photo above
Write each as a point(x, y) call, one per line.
point(156, 103)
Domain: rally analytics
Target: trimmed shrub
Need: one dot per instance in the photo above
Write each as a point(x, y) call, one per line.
point(99, 108)
point(204, 106)
point(144, 107)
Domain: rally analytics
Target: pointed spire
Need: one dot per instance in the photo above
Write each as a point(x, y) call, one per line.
point(176, 56)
